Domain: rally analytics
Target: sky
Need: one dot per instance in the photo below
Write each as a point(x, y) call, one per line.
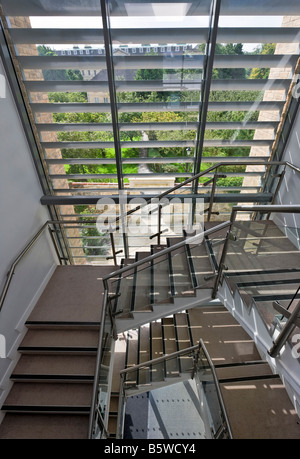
point(156, 21)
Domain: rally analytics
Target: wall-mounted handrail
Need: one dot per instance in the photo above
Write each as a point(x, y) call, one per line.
point(21, 255)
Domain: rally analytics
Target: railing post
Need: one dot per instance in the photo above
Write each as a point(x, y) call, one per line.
point(281, 177)
point(284, 334)
point(223, 256)
point(159, 223)
point(213, 192)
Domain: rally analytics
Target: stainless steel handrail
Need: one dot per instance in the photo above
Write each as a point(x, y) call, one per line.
point(98, 366)
point(280, 208)
point(187, 350)
point(285, 332)
point(26, 249)
point(191, 240)
point(197, 176)
point(219, 393)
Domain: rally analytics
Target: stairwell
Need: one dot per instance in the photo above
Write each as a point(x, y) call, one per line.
point(238, 362)
point(161, 307)
point(53, 379)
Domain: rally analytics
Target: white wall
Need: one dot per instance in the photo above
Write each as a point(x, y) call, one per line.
point(21, 216)
point(289, 192)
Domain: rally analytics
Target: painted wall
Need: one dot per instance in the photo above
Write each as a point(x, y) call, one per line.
point(289, 192)
point(21, 216)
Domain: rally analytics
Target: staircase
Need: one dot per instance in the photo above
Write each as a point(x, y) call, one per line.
point(161, 307)
point(52, 382)
point(237, 362)
point(168, 284)
point(183, 280)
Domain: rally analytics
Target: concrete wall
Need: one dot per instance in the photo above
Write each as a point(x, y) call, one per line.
point(21, 216)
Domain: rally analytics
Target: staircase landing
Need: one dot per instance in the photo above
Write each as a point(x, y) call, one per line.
point(53, 379)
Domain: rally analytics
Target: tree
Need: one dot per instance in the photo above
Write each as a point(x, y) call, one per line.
point(263, 73)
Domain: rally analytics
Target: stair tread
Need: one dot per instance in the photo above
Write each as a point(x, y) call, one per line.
point(56, 365)
point(49, 395)
point(170, 346)
point(125, 286)
point(66, 294)
point(60, 338)
point(243, 371)
point(264, 399)
point(224, 337)
point(181, 276)
point(142, 292)
point(161, 277)
point(42, 426)
point(201, 265)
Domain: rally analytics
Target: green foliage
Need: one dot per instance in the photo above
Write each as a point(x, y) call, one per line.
point(57, 75)
point(267, 48)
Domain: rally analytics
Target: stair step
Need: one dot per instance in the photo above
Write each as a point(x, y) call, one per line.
point(144, 354)
point(44, 426)
point(157, 370)
point(201, 265)
point(161, 289)
point(183, 341)
point(284, 291)
point(264, 399)
point(114, 404)
point(49, 398)
point(132, 355)
point(55, 368)
point(245, 371)
point(180, 269)
point(112, 425)
point(225, 339)
point(142, 291)
point(65, 296)
point(53, 340)
point(170, 346)
point(263, 280)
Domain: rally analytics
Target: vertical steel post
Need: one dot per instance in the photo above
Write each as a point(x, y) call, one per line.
point(206, 84)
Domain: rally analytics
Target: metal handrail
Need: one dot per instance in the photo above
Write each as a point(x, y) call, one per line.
point(285, 333)
point(280, 208)
point(187, 350)
point(197, 176)
point(26, 249)
point(219, 393)
point(98, 365)
point(191, 240)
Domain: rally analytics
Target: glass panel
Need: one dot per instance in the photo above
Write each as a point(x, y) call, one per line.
point(156, 283)
point(103, 394)
point(158, 71)
point(210, 397)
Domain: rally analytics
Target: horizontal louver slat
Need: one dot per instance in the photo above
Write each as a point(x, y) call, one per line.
point(159, 144)
point(154, 107)
point(157, 85)
point(91, 7)
point(158, 36)
point(59, 127)
point(155, 62)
